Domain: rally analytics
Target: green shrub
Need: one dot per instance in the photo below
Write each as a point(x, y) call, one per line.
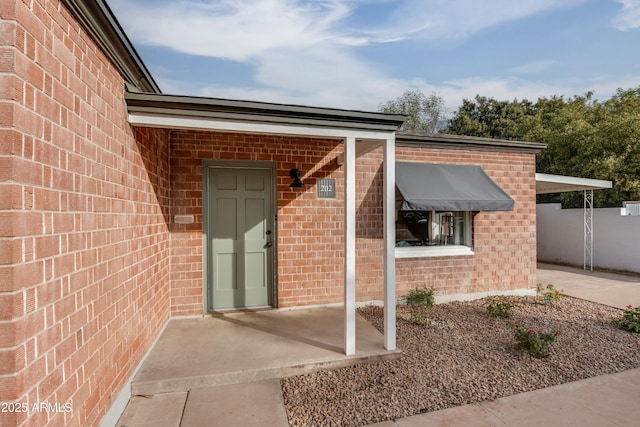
point(549, 293)
point(423, 297)
point(532, 342)
point(420, 301)
point(499, 308)
point(630, 320)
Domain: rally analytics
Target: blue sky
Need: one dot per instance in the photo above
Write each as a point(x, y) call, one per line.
point(356, 54)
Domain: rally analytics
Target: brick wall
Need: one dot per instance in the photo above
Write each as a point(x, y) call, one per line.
point(504, 242)
point(310, 232)
point(83, 221)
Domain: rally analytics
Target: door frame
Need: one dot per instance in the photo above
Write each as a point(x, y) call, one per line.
point(207, 165)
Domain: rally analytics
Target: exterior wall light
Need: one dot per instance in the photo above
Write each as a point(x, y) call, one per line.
point(297, 182)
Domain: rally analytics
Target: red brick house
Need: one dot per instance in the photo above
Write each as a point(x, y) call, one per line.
point(122, 207)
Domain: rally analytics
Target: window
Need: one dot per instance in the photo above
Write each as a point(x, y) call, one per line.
point(435, 204)
point(433, 233)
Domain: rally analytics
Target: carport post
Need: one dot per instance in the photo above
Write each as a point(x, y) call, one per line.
point(588, 230)
point(350, 246)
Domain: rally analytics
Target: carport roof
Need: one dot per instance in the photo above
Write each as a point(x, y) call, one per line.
point(546, 183)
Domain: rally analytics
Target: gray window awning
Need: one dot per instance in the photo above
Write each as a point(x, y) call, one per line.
point(441, 187)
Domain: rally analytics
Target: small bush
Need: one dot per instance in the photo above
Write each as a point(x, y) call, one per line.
point(549, 293)
point(630, 320)
point(499, 308)
point(420, 301)
point(532, 342)
point(423, 297)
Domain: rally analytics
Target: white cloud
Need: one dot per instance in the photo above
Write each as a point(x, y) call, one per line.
point(235, 29)
point(243, 29)
point(320, 77)
point(629, 17)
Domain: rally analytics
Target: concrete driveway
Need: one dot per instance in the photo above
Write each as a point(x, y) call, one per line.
point(611, 289)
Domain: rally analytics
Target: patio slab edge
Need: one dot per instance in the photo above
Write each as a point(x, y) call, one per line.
point(174, 385)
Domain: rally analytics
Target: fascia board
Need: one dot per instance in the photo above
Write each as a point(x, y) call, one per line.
point(244, 126)
point(547, 183)
point(216, 108)
point(466, 143)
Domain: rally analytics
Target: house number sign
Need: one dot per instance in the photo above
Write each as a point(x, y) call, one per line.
point(326, 188)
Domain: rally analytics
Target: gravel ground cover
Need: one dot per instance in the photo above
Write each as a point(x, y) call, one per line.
point(462, 355)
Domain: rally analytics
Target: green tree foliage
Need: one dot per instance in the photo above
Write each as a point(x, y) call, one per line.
point(584, 137)
point(619, 158)
point(488, 118)
point(424, 113)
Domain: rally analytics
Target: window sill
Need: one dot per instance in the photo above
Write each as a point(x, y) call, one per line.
point(433, 251)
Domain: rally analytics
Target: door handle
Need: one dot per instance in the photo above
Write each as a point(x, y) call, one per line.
point(268, 245)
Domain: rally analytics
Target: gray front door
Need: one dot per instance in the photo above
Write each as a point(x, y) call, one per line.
point(239, 237)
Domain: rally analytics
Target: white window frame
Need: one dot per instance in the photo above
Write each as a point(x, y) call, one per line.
point(441, 251)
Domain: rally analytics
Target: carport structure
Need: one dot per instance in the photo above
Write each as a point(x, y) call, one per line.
point(546, 184)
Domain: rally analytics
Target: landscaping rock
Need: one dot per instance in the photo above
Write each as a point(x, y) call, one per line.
point(463, 355)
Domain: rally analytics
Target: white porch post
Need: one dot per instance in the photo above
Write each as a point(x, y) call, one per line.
point(350, 246)
point(389, 173)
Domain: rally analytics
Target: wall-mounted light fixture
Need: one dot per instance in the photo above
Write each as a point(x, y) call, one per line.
point(297, 182)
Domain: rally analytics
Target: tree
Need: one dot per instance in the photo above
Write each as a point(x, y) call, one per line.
point(489, 118)
point(424, 113)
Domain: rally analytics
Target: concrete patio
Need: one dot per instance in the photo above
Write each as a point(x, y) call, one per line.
point(253, 346)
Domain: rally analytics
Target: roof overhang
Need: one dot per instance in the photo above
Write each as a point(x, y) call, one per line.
point(546, 183)
point(188, 112)
point(460, 142)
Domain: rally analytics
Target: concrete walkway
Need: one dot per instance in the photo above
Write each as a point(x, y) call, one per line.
point(242, 405)
point(609, 400)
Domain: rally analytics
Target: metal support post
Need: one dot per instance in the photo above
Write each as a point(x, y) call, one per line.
point(588, 230)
